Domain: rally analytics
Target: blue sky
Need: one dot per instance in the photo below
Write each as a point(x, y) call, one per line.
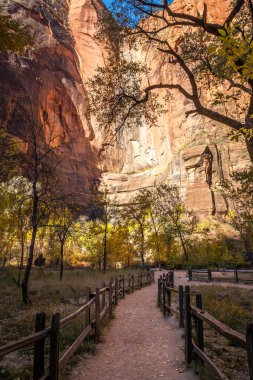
point(108, 2)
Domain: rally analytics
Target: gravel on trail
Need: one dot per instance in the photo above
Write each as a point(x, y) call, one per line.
point(138, 344)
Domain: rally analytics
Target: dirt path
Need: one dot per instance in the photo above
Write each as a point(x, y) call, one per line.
point(139, 344)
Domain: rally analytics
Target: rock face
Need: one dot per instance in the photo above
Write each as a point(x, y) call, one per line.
point(192, 152)
point(46, 88)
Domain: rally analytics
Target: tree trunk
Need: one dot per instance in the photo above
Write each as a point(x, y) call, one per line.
point(142, 249)
point(61, 259)
point(24, 285)
point(21, 264)
point(183, 245)
point(105, 249)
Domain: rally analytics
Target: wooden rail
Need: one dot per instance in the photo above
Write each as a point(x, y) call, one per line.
point(227, 275)
point(194, 315)
point(101, 304)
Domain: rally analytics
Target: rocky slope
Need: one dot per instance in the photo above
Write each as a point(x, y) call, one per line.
point(192, 152)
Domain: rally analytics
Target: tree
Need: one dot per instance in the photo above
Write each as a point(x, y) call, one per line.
point(148, 197)
point(208, 54)
point(61, 222)
point(239, 191)
point(136, 215)
point(15, 206)
point(38, 162)
point(101, 209)
point(15, 37)
point(178, 222)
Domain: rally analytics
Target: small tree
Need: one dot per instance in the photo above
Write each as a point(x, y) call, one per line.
point(61, 222)
point(178, 222)
point(15, 208)
point(239, 190)
point(136, 215)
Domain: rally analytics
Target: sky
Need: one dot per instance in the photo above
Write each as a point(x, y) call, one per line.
point(108, 2)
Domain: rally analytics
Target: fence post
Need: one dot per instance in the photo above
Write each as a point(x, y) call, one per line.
point(199, 324)
point(129, 282)
point(190, 274)
point(110, 299)
point(119, 284)
point(153, 276)
point(141, 280)
point(123, 286)
point(38, 360)
point(187, 327)
point(97, 316)
point(116, 290)
point(236, 276)
point(54, 347)
point(249, 347)
point(169, 301)
point(164, 296)
point(181, 305)
point(159, 293)
point(87, 313)
point(172, 278)
point(133, 283)
point(103, 295)
point(209, 275)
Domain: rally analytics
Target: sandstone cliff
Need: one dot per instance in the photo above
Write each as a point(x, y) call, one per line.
point(192, 152)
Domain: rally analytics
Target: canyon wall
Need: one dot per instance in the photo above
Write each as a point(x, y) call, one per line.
point(192, 151)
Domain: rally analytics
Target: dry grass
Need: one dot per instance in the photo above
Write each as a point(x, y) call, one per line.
point(233, 307)
point(50, 295)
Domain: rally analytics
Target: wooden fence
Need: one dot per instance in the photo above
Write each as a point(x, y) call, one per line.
point(226, 275)
point(98, 304)
point(194, 315)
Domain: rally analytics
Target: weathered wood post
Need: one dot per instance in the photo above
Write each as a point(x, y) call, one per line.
point(153, 276)
point(199, 325)
point(164, 296)
point(249, 347)
point(103, 295)
point(87, 312)
point(119, 288)
point(171, 279)
point(110, 299)
point(187, 326)
point(159, 292)
point(209, 273)
point(123, 286)
point(54, 347)
point(97, 316)
point(39, 360)
point(181, 305)
point(190, 274)
point(129, 282)
point(168, 300)
point(141, 280)
point(116, 291)
point(133, 280)
point(236, 275)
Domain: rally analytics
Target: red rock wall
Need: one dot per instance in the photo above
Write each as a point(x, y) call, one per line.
point(193, 152)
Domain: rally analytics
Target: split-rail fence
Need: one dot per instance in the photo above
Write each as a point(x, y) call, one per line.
point(98, 305)
point(224, 275)
point(189, 313)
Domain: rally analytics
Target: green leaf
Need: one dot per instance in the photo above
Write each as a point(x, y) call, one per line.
point(222, 32)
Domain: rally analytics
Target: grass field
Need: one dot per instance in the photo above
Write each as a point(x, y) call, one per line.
point(47, 294)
